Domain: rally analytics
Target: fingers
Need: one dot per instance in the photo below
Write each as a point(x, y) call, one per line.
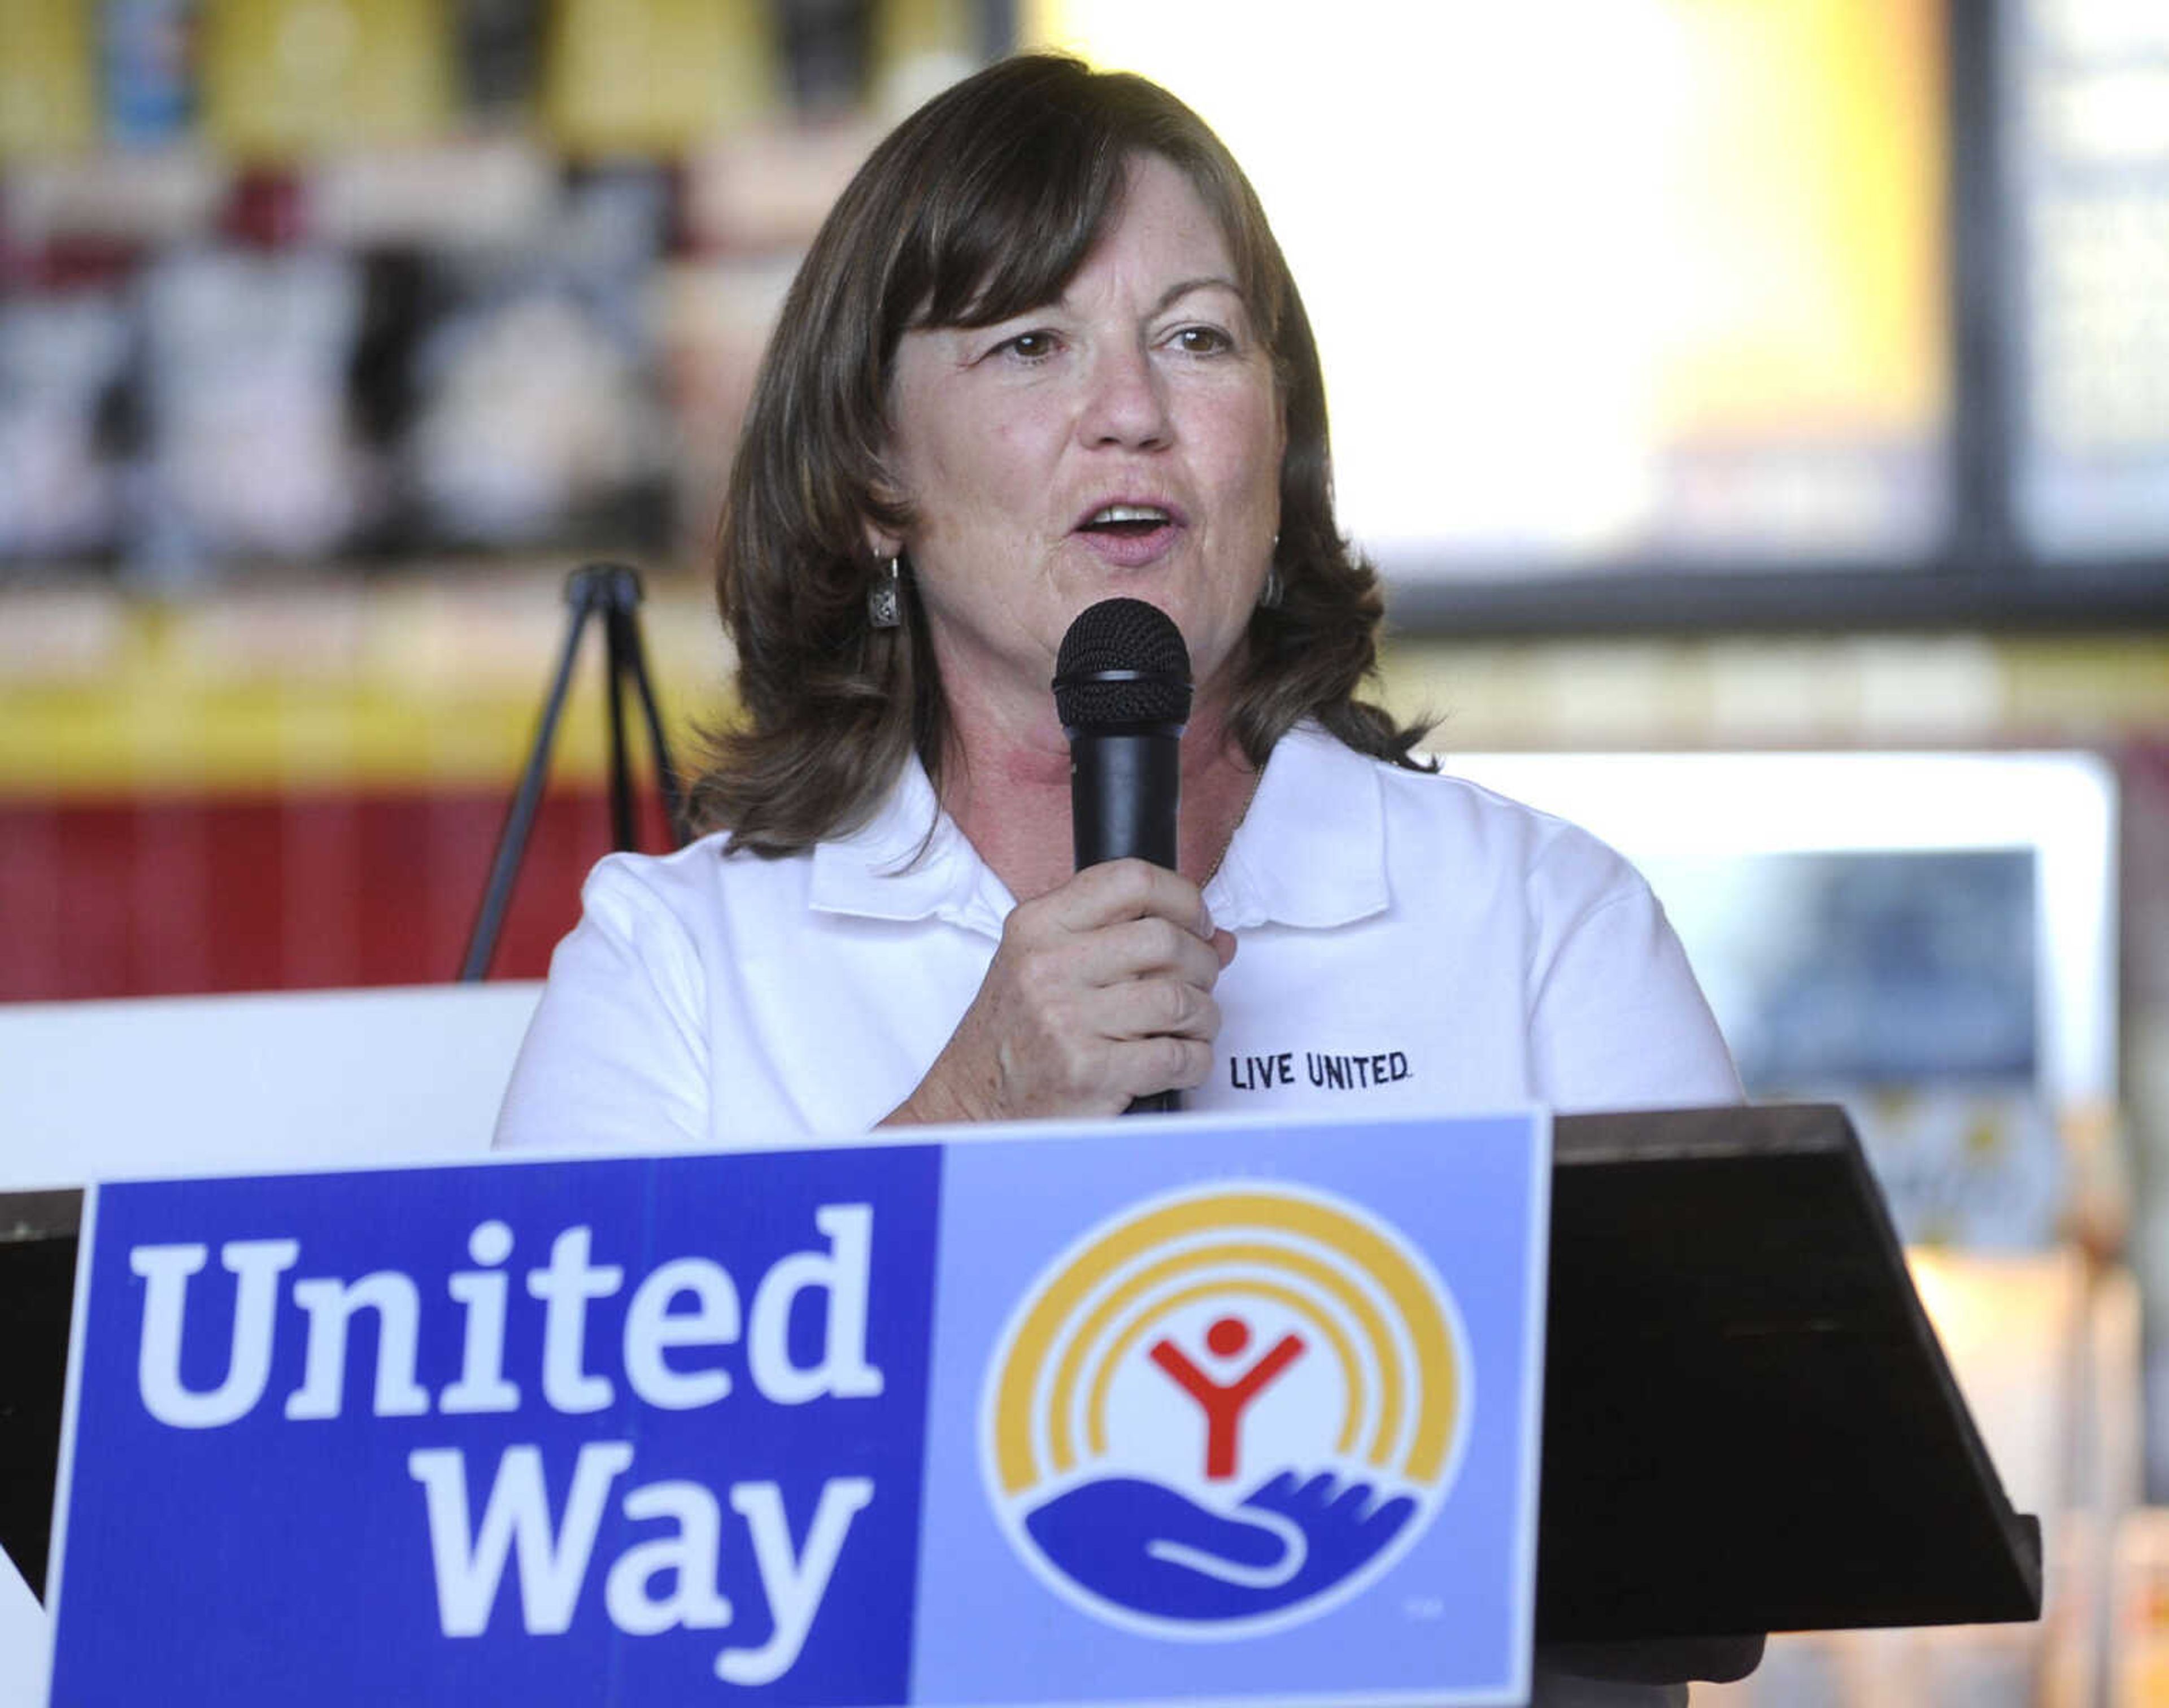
point(1100, 991)
point(1146, 949)
point(1158, 1007)
point(1142, 1066)
point(1130, 1012)
point(1119, 890)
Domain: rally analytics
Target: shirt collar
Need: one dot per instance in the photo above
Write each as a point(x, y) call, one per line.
point(892, 868)
point(1311, 851)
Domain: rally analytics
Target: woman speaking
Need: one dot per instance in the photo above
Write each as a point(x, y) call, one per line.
point(1045, 352)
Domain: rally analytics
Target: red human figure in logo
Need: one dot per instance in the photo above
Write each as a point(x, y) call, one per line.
point(1224, 1403)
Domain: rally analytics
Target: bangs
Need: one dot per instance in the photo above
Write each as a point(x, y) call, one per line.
point(1021, 229)
point(1017, 204)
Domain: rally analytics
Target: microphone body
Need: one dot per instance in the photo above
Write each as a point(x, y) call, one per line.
point(1125, 791)
point(1122, 689)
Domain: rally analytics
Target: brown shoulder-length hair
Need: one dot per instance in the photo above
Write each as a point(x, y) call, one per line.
point(981, 205)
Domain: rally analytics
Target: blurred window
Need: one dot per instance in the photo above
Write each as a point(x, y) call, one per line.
point(1599, 281)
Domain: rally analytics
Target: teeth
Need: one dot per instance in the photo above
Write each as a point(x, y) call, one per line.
point(1128, 513)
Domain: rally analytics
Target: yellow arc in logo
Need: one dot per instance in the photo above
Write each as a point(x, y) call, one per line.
point(1253, 1231)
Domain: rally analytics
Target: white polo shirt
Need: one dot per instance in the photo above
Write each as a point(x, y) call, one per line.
point(1407, 943)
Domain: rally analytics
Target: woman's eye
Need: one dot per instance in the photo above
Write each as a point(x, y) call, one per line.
point(1031, 347)
point(1202, 340)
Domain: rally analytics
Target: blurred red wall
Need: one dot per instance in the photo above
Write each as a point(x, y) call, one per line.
point(136, 897)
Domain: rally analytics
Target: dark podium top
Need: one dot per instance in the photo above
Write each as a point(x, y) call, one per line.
point(1748, 1425)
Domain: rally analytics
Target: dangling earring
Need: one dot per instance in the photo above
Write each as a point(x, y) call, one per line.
point(1269, 596)
point(885, 598)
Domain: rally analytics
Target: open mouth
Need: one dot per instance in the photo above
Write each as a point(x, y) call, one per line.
point(1127, 521)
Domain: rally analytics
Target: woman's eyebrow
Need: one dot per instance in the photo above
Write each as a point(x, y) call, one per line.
point(1168, 298)
point(1174, 293)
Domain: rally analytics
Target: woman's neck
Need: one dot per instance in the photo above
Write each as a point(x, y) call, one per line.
point(1008, 790)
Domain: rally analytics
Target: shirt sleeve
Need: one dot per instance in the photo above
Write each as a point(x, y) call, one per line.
point(617, 1057)
point(1616, 1020)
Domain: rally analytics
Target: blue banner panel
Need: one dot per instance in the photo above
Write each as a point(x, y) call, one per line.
point(1253, 1413)
point(1146, 1412)
point(579, 1432)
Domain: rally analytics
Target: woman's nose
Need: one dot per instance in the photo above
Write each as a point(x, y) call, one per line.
point(1126, 400)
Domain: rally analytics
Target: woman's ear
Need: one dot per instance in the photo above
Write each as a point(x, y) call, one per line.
point(882, 539)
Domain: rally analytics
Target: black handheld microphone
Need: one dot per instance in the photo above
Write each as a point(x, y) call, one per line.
point(1122, 689)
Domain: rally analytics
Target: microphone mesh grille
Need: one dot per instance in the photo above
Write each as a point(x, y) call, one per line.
point(1136, 644)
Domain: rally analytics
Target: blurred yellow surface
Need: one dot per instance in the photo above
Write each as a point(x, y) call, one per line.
point(656, 76)
point(288, 77)
point(420, 685)
point(48, 98)
point(437, 681)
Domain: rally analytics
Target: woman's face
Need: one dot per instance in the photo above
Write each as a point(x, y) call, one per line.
point(1124, 439)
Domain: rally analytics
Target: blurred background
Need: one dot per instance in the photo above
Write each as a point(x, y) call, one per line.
point(1760, 407)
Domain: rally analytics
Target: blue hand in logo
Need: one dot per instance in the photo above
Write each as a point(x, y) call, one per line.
point(1145, 1546)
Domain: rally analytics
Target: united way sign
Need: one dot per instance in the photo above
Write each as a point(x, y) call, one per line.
point(1160, 1410)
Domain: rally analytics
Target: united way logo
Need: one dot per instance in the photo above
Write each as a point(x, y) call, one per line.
point(1222, 1412)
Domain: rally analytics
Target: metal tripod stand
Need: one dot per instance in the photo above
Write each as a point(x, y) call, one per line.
point(611, 590)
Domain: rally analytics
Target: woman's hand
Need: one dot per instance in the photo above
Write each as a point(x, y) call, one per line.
point(1101, 990)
